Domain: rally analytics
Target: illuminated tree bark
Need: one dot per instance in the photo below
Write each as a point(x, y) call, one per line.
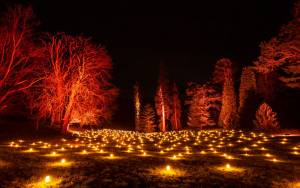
point(18, 54)
point(137, 105)
point(76, 87)
point(176, 109)
point(162, 101)
point(204, 103)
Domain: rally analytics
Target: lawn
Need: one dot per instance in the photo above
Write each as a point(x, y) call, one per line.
point(189, 158)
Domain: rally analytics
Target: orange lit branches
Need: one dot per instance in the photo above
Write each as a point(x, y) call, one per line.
point(76, 85)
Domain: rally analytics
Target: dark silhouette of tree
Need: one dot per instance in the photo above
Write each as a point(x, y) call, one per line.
point(176, 109)
point(265, 118)
point(204, 102)
point(162, 101)
point(248, 99)
point(148, 119)
point(137, 105)
point(229, 108)
point(76, 87)
point(247, 84)
point(18, 54)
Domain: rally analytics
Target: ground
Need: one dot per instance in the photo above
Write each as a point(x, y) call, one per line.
point(189, 158)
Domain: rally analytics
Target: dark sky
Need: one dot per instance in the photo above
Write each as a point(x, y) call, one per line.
point(188, 37)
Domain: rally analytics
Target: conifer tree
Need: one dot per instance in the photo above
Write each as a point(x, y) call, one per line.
point(229, 109)
point(148, 119)
point(162, 101)
point(266, 118)
point(176, 109)
point(137, 105)
point(204, 102)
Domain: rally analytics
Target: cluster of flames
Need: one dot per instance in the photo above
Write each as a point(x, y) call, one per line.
point(173, 146)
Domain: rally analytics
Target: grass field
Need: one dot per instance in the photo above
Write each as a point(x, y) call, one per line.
point(111, 158)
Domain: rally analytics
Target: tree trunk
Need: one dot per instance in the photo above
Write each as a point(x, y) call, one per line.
point(65, 126)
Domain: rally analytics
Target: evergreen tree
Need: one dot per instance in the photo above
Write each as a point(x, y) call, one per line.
point(281, 54)
point(265, 118)
point(248, 99)
point(248, 83)
point(162, 101)
point(137, 105)
point(148, 119)
point(204, 102)
point(228, 109)
point(176, 109)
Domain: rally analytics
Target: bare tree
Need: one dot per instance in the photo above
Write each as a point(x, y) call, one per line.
point(18, 54)
point(76, 87)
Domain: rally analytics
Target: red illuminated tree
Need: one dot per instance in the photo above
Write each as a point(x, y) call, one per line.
point(265, 118)
point(283, 53)
point(162, 101)
point(76, 87)
point(204, 103)
point(137, 105)
point(229, 108)
point(247, 84)
point(290, 48)
point(18, 54)
point(176, 109)
point(221, 66)
point(248, 99)
point(148, 119)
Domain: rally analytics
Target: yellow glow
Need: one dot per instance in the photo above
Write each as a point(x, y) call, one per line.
point(47, 179)
point(268, 155)
point(168, 168)
point(229, 168)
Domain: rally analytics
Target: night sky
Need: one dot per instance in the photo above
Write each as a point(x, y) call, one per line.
point(187, 37)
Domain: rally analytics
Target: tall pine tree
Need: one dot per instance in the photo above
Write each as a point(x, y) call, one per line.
point(162, 101)
point(137, 105)
point(204, 103)
point(176, 109)
point(148, 119)
point(229, 108)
